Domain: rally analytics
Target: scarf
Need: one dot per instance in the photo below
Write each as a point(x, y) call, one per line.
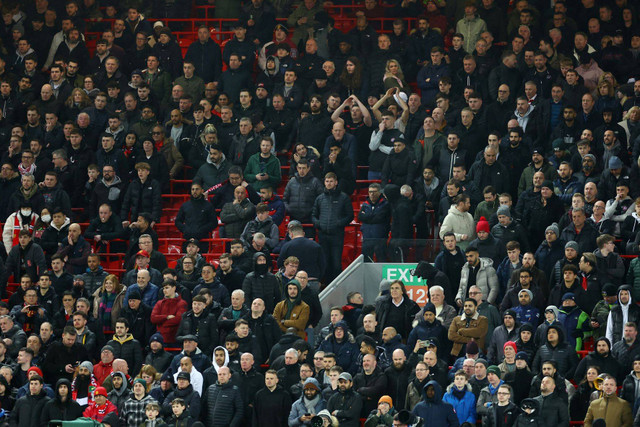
point(458, 394)
point(290, 306)
point(28, 194)
point(105, 306)
point(81, 388)
point(158, 145)
point(493, 389)
point(311, 404)
point(31, 169)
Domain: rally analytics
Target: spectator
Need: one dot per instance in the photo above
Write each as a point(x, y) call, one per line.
point(125, 346)
point(470, 326)
point(621, 414)
point(261, 283)
point(479, 271)
point(223, 412)
point(196, 217)
point(133, 411)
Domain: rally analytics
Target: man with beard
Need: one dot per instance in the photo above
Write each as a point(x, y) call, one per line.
point(272, 403)
point(371, 384)
point(83, 383)
point(397, 378)
point(309, 404)
point(63, 356)
point(346, 405)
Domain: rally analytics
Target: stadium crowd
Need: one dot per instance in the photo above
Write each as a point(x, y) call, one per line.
point(508, 130)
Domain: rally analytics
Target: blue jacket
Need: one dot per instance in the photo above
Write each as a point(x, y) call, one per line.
point(375, 218)
point(298, 409)
point(346, 352)
point(423, 330)
point(149, 295)
point(527, 314)
point(439, 413)
point(566, 190)
point(504, 273)
point(434, 73)
point(465, 408)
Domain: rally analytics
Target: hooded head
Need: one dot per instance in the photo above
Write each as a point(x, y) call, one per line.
point(298, 298)
point(554, 309)
point(125, 384)
point(624, 288)
point(437, 392)
point(530, 406)
point(63, 381)
point(260, 269)
point(558, 329)
point(215, 364)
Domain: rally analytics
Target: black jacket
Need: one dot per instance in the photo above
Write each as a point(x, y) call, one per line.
point(140, 325)
point(128, 349)
point(160, 360)
point(28, 410)
point(59, 356)
point(271, 408)
point(371, 388)
point(262, 285)
point(553, 410)
point(205, 327)
point(332, 212)
point(196, 219)
point(266, 332)
point(224, 405)
point(349, 407)
point(142, 198)
point(55, 409)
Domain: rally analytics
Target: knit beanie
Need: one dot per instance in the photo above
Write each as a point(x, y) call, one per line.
point(483, 225)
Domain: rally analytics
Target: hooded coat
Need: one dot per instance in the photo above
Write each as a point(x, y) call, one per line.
point(530, 420)
point(261, 283)
point(56, 409)
point(346, 351)
point(438, 413)
point(119, 396)
point(299, 315)
point(620, 314)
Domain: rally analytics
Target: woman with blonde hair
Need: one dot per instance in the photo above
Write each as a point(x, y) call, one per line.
point(606, 99)
point(75, 103)
point(107, 302)
point(394, 77)
point(150, 376)
point(199, 152)
point(630, 121)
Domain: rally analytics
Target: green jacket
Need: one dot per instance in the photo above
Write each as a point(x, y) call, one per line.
point(301, 32)
point(271, 168)
point(526, 179)
point(633, 279)
point(601, 314)
point(193, 86)
point(159, 83)
point(486, 209)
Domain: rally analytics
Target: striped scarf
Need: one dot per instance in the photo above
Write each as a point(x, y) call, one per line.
point(106, 305)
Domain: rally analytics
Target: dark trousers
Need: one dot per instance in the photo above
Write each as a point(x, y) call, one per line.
point(332, 245)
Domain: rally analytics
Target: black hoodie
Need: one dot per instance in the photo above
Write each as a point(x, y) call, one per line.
point(56, 409)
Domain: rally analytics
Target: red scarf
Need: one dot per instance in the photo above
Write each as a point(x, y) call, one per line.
point(17, 226)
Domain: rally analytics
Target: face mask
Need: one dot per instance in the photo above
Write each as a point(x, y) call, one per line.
point(46, 218)
point(25, 212)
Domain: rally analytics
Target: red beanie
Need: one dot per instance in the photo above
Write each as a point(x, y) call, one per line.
point(36, 369)
point(483, 225)
point(510, 344)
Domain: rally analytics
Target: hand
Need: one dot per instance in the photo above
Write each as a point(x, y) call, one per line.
point(251, 22)
point(349, 101)
point(305, 418)
point(97, 237)
point(464, 237)
point(41, 311)
point(302, 20)
point(594, 324)
point(381, 127)
point(8, 341)
point(171, 316)
point(70, 240)
point(383, 408)
point(125, 224)
point(69, 368)
point(459, 302)
point(391, 91)
point(245, 184)
point(153, 223)
point(332, 157)
point(24, 309)
point(334, 413)
point(236, 201)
